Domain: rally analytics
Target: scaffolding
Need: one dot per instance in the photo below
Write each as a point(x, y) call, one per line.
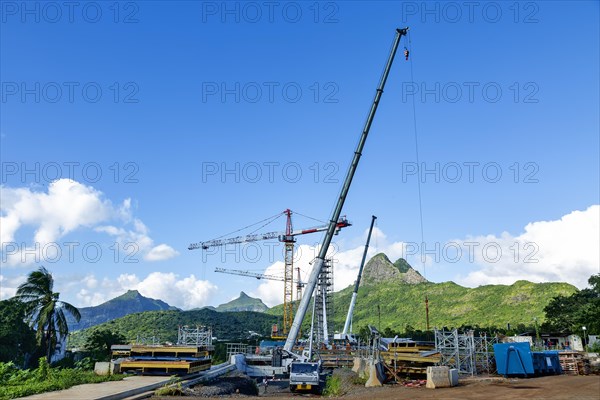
point(324, 289)
point(485, 362)
point(238, 348)
point(465, 352)
point(198, 335)
point(147, 340)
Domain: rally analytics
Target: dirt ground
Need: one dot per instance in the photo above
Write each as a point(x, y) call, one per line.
point(549, 387)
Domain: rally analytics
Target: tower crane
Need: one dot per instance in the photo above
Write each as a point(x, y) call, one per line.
point(288, 238)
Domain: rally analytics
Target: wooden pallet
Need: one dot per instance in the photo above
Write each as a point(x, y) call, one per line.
point(573, 363)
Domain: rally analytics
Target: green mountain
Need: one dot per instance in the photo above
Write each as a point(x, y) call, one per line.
point(395, 293)
point(380, 269)
point(243, 303)
point(230, 326)
point(128, 303)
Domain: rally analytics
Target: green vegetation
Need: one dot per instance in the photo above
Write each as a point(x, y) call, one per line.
point(402, 265)
point(171, 388)
point(571, 313)
point(15, 382)
point(231, 326)
point(99, 342)
point(243, 303)
point(44, 310)
point(333, 386)
point(402, 305)
point(16, 337)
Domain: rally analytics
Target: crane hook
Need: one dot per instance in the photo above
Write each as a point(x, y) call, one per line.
point(406, 52)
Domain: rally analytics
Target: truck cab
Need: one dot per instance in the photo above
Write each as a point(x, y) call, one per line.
point(305, 376)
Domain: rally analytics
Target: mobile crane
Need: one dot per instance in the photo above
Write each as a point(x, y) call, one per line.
point(305, 377)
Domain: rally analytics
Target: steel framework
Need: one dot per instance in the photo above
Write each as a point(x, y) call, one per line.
point(198, 335)
point(324, 302)
point(469, 354)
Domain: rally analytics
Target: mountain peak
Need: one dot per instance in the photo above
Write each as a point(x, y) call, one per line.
point(129, 302)
point(243, 303)
point(130, 294)
point(381, 269)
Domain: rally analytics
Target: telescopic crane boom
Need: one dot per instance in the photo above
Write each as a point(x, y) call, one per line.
point(312, 281)
point(357, 284)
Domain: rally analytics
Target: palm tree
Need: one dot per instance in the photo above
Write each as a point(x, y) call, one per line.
point(43, 309)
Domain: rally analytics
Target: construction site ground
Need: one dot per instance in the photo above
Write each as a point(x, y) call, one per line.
point(548, 387)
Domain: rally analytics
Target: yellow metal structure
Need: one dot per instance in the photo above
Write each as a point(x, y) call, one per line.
point(288, 288)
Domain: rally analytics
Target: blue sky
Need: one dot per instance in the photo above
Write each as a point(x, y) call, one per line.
point(147, 105)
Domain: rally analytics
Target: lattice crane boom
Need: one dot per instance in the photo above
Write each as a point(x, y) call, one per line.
point(251, 274)
point(255, 237)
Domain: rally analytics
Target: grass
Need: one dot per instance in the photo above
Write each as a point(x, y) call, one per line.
point(15, 382)
point(333, 387)
point(171, 388)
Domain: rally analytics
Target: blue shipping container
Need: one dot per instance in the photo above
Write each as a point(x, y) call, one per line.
point(518, 359)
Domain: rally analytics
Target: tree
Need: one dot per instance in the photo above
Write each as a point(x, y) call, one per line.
point(571, 313)
point(16, 337)
point(44, 311)
point(99, 343)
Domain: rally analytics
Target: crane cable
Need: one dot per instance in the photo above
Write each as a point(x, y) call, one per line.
point(417, 156)
point(269, 219)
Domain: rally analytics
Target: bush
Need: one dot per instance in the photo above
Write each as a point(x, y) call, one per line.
point(15, 382)
point(333, 386)
point(85, 364)
point(594, 348)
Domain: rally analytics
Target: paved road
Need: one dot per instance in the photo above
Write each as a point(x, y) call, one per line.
point(97, 391)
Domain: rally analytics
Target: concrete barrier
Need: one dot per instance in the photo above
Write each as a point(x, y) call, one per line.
point(437, 377)
point(102, 368)
point(356, 364)
point(453, 377)
point(374, 379)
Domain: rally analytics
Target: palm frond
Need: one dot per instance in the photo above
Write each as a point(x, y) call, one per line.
point(71, 309)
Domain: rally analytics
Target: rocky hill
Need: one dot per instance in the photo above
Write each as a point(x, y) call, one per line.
point(380, 269)
point(243, 303)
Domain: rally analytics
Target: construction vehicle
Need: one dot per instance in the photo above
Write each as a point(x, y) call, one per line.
point(306, 376)
point(299, 362)
point(346, 334)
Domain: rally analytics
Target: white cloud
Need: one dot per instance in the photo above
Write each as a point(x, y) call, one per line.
point(271, 292)
point(161, 252)
point(564, 250)
point(183, 292)
point(68, 206)
point(8, 286)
